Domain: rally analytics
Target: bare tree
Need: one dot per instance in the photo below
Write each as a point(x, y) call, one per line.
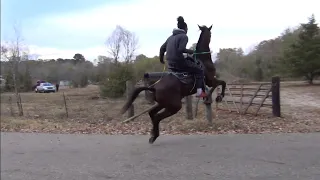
point(13, 52)
point(113, 43)
point(122, 42)
point(130, 44)
point(4, 51)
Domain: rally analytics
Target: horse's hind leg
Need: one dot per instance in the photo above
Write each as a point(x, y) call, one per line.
point(160, 116)
point(155, 124)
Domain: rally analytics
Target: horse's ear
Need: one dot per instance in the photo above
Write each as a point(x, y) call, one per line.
point(210, 28)
point(200, 27)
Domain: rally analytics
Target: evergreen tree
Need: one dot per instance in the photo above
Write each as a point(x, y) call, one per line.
point(258, 72)
point(302, 58)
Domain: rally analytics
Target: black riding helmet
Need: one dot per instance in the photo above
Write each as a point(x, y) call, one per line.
point(181, 24)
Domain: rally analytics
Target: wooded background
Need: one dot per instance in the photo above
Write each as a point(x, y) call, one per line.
point(293, 55)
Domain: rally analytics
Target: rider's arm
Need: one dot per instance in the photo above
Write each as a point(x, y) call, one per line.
point(163, 49)
point(183, 45)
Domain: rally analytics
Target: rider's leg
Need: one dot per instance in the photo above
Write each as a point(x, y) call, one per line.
point(196, 69)
point(200, 84)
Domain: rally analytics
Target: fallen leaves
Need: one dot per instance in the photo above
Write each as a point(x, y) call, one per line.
point(99, 116)
point(227, 123)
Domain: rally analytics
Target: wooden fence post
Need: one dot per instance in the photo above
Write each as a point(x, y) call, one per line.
point(20, 105)
point(217, 104)
point(129, 88)
point(65, 104)
point(276, 96)
point(241, 98)
point(10, 105)
point(148, 94)
point(209, 108)
point(189, 114)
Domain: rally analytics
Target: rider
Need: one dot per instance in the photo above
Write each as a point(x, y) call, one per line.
point(175, 46)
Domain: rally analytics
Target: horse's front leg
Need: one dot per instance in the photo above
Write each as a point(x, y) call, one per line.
point(216, 83)
point(208, 99)
point(221, 95)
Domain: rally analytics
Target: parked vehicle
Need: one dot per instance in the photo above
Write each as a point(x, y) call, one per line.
point(45, 88)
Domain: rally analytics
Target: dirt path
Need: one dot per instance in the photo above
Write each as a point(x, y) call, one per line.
point(302, 104)
point(301, 97)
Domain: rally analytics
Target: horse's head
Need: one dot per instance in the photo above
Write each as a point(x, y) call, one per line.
point(204, 39)
point(203, 53)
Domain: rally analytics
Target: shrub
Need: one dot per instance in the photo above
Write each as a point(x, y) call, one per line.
point(115, 84)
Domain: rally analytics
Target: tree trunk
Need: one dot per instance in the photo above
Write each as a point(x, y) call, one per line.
point(16, 88)
point(310, 77)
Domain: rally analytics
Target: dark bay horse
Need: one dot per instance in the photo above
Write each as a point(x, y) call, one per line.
point(171, 89)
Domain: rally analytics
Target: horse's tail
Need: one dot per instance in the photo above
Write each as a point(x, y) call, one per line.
point(133, 96)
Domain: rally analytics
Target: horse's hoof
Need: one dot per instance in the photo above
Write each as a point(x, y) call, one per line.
point(151, 140)
point(219, 98)
point(207, 101)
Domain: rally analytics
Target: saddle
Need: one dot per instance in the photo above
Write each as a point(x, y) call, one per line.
point(183, 77)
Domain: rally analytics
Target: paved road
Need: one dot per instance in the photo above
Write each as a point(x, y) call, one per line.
point(101, 157)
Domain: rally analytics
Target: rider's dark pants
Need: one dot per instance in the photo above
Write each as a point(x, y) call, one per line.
point(189, 65)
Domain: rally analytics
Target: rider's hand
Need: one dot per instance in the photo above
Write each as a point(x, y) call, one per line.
point(189, 51)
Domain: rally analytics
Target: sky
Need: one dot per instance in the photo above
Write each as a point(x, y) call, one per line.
point(60, 28)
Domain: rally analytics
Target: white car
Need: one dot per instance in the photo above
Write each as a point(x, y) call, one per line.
point(45, 87)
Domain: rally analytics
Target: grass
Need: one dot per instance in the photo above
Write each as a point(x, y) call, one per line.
point(87, 113)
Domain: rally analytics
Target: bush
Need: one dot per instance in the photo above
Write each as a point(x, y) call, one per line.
point(115, 84)
point(147, 65)
point(80, 81)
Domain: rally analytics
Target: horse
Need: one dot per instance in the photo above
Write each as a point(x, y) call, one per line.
point(179, 85)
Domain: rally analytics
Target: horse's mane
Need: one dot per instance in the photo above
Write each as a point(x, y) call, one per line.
point(199, 40)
